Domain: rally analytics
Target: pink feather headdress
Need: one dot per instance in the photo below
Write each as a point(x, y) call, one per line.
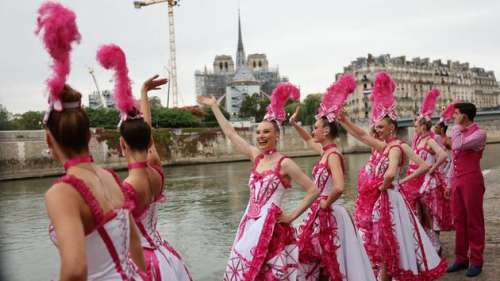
point(57, 26)
point(447, 113)
point(382, 98)
point(279, 97)
point(335, 97)
point(112, 57)
point(429, 104)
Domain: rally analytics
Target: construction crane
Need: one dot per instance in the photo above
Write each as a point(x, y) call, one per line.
point(103, 101)
point(171, 33)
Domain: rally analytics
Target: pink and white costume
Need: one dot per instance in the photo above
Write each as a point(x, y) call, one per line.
point(366, 195)
point(107, 245)
point(163, 262)
point(264, 249)
point(395, 237)
point(429, 189)
point(327, 240)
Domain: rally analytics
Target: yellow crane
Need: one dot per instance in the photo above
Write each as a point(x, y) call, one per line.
point(171, 33)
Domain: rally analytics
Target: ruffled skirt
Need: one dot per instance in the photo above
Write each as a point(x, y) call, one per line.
point(263, 249)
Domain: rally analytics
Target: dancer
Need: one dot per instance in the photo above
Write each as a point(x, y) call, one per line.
point(395, 240)
point(90, 218)
point(265, 246)
point(329, 246)
point(468, 142)
point(427, 193)
point(442, 138)
point(145, 182)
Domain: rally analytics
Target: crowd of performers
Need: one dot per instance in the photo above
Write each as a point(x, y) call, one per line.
point(105, 227)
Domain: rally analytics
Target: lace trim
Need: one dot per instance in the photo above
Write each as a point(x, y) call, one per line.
point(88, 197)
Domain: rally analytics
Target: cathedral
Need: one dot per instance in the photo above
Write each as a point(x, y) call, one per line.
point(250, 76)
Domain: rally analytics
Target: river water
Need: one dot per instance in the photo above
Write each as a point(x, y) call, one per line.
point(204, 206)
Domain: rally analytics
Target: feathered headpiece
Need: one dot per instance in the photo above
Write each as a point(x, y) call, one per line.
point(57, 25)
point(382, 97)
point(279, 97)
point(112, 57)
point(335, 97)
point(429, 104)
point(447, 113)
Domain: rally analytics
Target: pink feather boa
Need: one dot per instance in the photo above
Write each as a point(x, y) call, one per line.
point(279, 97)
point(58, 25)
point(335, 97)
point(112, 57)
point(384, 103)
point(429, 103)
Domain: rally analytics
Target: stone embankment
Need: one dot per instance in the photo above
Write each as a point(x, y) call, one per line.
point(23, 154)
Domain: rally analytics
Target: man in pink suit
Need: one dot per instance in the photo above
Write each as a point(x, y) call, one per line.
point(467, 182)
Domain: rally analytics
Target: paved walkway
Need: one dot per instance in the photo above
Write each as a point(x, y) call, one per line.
point(491, 267)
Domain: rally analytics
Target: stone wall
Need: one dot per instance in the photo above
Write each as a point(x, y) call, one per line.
point(24, 153)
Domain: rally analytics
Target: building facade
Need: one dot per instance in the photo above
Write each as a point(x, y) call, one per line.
point(455, 80)
point(234, 80)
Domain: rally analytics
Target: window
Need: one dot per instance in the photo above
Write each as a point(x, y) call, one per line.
point(260, 63)
point(254, 64)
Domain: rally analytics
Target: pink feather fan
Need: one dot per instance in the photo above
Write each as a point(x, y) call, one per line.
point(429, 103)
point(335, 97)
point(57, 25)
point(279, 97)
point(447, 113)
point(112, 57)
point(382, 97)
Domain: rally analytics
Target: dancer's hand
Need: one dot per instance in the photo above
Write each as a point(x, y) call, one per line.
point(382, 187)
point(447, 193)
point(323, 204)
point(293, 118)
point(340, 116)
point(285, 218)
point(153, 83)
point(207, 101)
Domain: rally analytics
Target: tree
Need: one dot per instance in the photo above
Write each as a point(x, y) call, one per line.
point(155, 102)
point(30, 120)
point(175, 118)
point(209, 118)
point(4, 119)
point(310, 108)
point(102, 117)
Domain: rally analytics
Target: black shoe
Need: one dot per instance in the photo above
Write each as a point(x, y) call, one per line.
point(456, 267)
point(473, 271)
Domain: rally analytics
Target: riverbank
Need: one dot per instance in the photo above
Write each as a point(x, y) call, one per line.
point(22, 152)
point(491, 268)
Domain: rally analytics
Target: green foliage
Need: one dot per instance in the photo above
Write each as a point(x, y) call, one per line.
point(103, 117)
point(310, 108)
point(209, 118)
point(254, 106)
point(4, 119)
point(174, 118)
point(30, 120)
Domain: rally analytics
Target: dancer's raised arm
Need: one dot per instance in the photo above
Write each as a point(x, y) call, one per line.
point(303, 133)
point(292, 170)
point(360, 134)
point(153, 83)
point(239, 143)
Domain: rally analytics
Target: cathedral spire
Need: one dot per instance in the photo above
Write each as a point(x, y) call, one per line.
point(240, 53)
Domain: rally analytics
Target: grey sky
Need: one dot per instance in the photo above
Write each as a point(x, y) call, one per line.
point(310, 41)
